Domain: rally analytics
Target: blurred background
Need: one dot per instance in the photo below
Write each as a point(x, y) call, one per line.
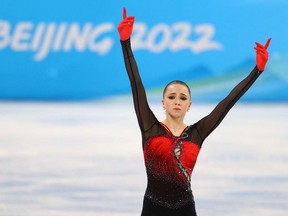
point(69, 139)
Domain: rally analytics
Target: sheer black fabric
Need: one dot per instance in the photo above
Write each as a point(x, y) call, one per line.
point(170, 160)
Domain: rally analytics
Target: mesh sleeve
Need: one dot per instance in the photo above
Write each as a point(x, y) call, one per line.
point(206, 125)
point(145, 116)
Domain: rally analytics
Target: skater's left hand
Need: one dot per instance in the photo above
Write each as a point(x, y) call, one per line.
point(262, 54)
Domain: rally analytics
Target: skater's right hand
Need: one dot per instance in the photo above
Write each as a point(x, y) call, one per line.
point(126, 26)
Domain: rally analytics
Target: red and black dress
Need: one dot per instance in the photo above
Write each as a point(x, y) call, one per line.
point(170, 159)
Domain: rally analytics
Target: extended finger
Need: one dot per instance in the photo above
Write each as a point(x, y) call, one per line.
point(267, 43)
point(259, 45)
point(124, 13)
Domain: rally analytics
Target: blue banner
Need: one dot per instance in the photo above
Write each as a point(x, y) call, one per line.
point(70, 50)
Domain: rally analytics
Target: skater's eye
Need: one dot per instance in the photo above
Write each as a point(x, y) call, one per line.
point(183, 98)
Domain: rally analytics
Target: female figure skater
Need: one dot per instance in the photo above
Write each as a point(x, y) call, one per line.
point(171, 147)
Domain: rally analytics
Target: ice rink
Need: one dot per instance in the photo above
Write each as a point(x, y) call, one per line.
point(85, 159)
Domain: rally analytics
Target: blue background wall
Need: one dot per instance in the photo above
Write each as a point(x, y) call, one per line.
point(70, 50)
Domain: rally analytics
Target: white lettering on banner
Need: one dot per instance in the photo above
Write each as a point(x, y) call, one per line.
point(59, 36)
point(175, 38)
point(35, 44)
point(22, 35)
point(43, 51)
point(46, 37)
point(4, 34)
point(43, 38)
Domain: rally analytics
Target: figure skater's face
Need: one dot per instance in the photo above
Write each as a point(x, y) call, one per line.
point(176, 100)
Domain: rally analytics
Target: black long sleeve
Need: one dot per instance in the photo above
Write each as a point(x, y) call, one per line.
point(145, 116)
point(206, 125)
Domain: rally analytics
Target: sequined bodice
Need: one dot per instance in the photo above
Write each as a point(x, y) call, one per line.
point(169, 163)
